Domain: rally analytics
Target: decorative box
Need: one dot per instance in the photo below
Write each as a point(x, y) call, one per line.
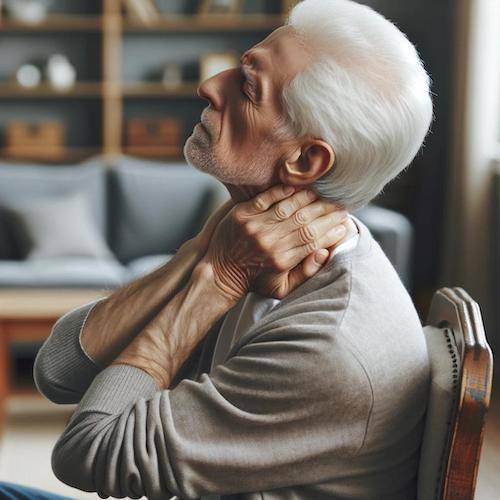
point(41, 139)
point(155, 132)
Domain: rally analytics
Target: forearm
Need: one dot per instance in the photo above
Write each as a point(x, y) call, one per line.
point(167, 341)
point(115, 321)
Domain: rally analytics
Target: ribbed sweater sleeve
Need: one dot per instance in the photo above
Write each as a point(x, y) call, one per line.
point(62, 370)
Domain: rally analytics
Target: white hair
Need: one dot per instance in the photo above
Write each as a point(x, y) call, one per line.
point(366, 94)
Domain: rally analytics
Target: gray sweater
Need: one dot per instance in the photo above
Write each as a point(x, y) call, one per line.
point(322, 398)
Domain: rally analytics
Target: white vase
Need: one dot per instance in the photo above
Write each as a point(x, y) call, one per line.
point(60, 72)
point(28, 11)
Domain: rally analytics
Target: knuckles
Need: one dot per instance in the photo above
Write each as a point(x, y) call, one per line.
point(250, 228)
point(259, 204)
point(280, 212)
point(311, 246)
point(300, 218)
point(238, 215)
point(307, 234)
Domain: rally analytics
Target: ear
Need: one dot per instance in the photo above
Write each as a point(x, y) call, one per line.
point(307, 163)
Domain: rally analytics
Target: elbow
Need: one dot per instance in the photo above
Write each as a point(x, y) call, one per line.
point(47, 381)
point(59, 467)
point(80, 457)
point(71, 465)
point(43, 381)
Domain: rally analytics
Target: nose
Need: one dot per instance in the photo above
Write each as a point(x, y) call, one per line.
point(212, 89)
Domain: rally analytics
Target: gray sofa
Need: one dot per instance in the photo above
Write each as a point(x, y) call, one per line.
point(142, 210)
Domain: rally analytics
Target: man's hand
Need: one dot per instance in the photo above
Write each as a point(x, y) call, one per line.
point(273, 242)
point(280, 284)
point(202, 239)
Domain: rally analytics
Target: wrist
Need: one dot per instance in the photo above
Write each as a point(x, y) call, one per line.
point(160, 375)
point(223, 288)
point(193, 247)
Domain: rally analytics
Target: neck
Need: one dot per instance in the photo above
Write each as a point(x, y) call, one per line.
point(243, 193)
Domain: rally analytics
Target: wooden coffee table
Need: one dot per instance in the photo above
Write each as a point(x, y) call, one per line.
point(28, 315)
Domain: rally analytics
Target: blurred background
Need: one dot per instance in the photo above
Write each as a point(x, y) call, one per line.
point(96, 100)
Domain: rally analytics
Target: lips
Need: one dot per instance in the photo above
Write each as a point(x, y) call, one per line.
point(205, 123)
point(201, 128)
point(204, 127)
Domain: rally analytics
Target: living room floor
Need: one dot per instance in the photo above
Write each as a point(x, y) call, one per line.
point(33, 426)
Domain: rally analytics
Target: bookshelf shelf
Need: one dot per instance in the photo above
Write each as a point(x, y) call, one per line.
point(55, 22)
point(201, 23)
point(81, 89)
point(71, 154)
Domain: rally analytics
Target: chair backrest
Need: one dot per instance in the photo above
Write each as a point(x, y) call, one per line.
point(461, 376)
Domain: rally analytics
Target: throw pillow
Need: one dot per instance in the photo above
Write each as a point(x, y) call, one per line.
point(61, 226)
point(14, 242)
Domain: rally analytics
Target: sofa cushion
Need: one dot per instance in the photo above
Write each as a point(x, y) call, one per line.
point(144, 265)
point(20, 182)
point(155, 207)
point(69, 272)
point(61, 226)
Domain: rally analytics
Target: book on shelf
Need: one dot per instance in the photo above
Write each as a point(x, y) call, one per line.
point(142, 11)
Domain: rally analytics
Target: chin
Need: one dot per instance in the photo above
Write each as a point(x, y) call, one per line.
point(201, 156)
point(253, 171)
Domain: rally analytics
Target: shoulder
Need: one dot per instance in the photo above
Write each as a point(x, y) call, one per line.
point(298, 361)
point(300, 336)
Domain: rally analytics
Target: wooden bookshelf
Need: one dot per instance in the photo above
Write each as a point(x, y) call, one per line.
point(55, 22)
point(70, 154)
point(80, 89)
point(199, 23)
point(153, 89)
point(111, 92)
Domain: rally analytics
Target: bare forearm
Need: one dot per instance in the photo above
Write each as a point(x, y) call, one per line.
point(167, 341)
point(115, 321)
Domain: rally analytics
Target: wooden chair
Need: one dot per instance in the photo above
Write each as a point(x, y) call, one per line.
point(461, 375)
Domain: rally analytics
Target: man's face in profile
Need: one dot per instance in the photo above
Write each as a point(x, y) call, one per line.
point(236, 141)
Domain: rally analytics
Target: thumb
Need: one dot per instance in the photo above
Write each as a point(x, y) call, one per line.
point(307, 268)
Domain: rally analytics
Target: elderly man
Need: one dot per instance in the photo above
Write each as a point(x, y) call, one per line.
point(197, 379)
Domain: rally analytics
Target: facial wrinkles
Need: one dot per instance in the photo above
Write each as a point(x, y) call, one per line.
point(253, 120)
point(242, 147)
point(244, 119)
point(250, 85)
point(251, 124)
